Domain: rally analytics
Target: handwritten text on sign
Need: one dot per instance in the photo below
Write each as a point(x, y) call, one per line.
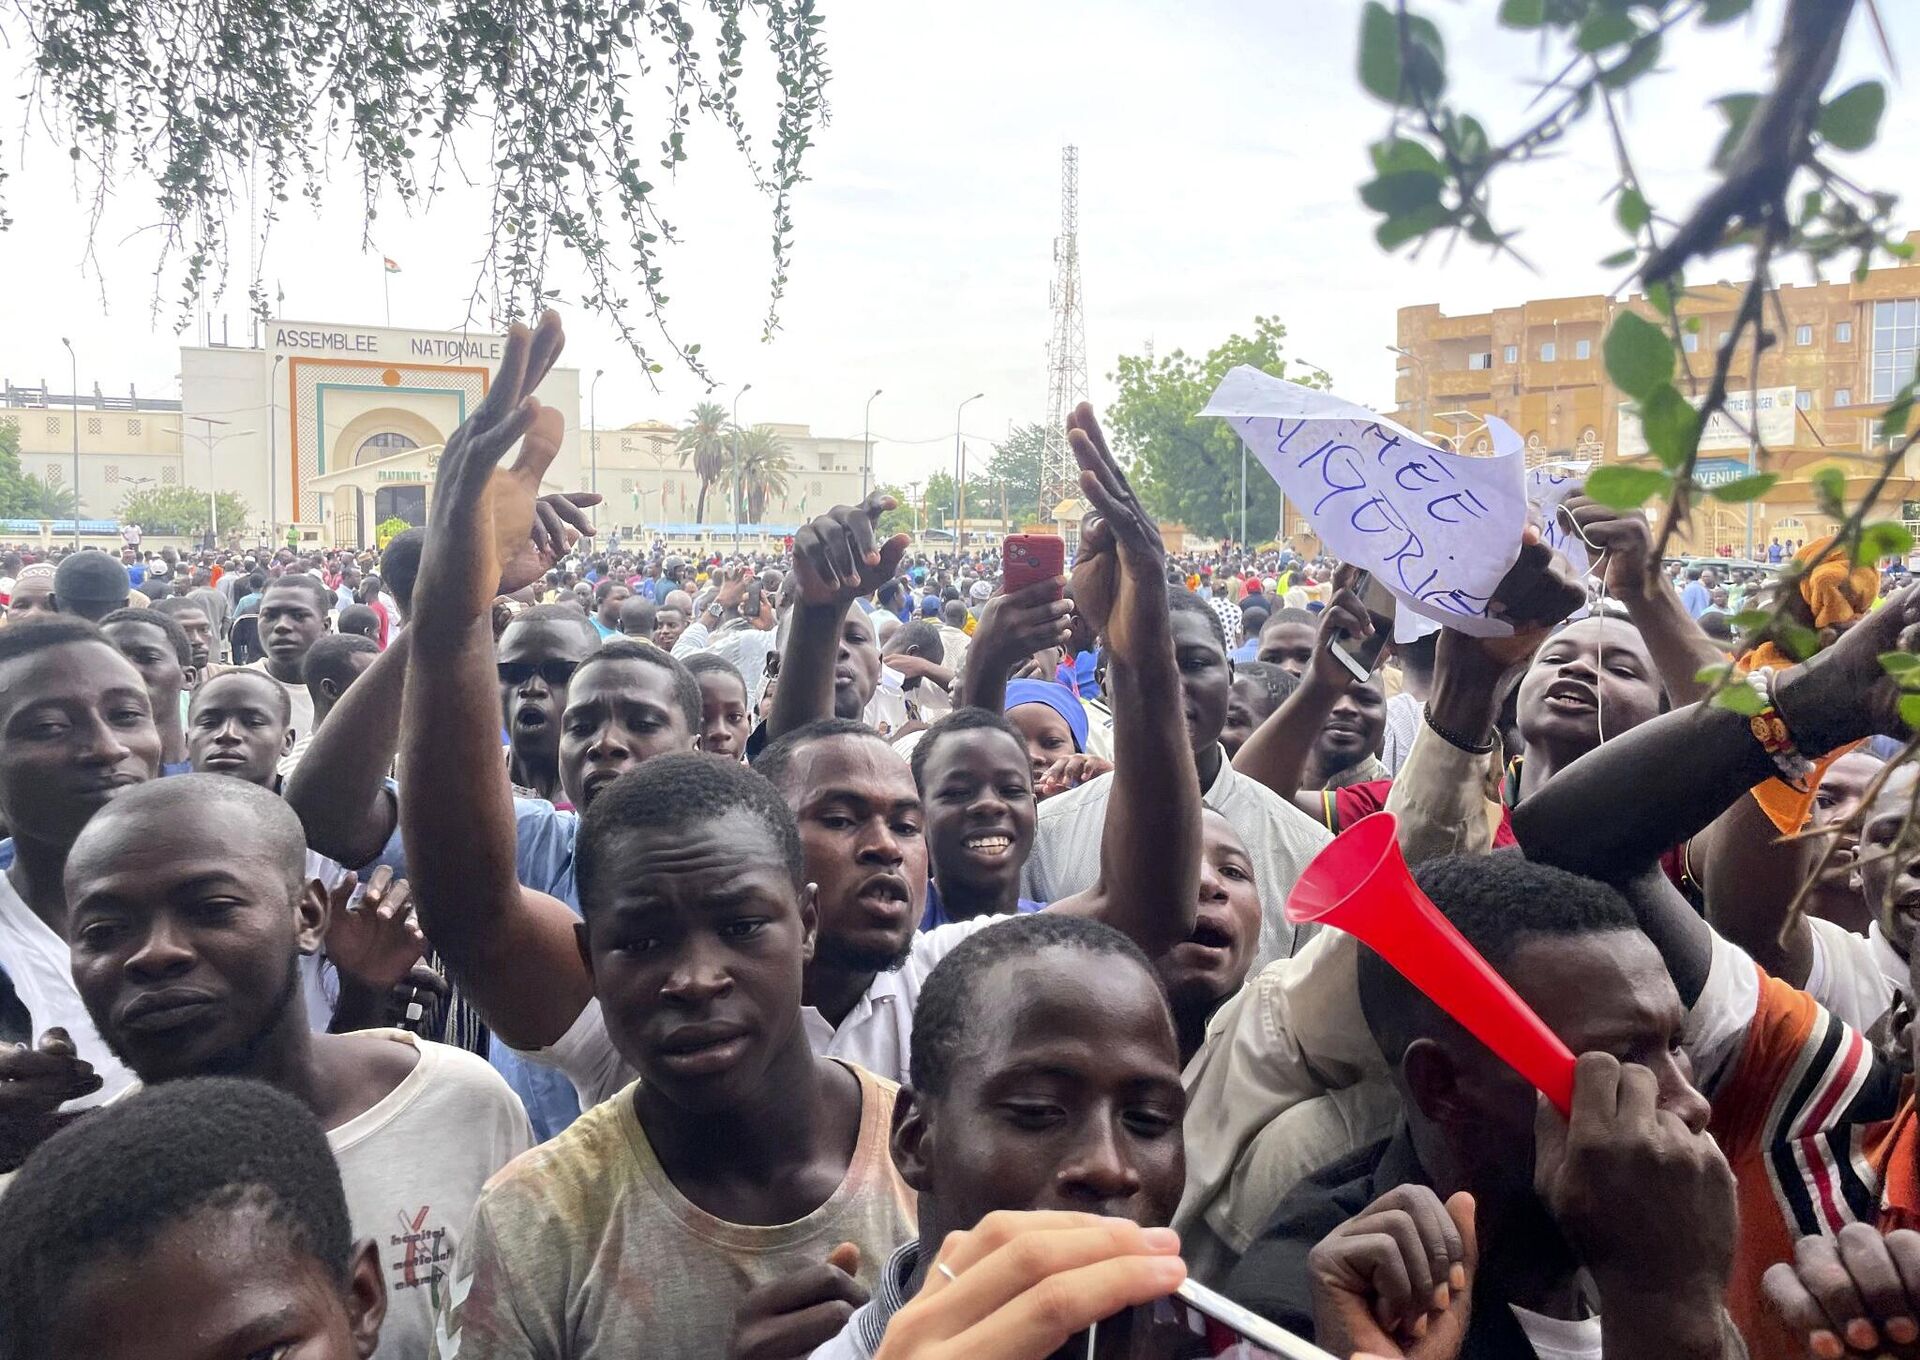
point(1437, 529)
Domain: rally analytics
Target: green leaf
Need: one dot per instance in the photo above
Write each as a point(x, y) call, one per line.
point(1893, 421)
point(1626, 488)
point(1603, 29)
point(1383, 74)
point(1640, 59)
point(1620, 257)
point(1379, 52)
point(1799, 640)
point(1670, 424)
point(1401, 192)
point(1910, 710)
point(1523, 13)
point(1630, 211)
point(1899, 663)
point(1748, 619)
point(1739, 697)
point(1724, 11)
point(1851, 119)
point(1403, 153)
point(1396, 231)
point(1749, 488)
point(1737, 109)
point(1883, 538)
point(1639, 358)
point(1714, 674)
point(1830, 488)
point(1660, 297)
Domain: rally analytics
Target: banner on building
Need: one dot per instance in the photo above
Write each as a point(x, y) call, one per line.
point(1770, 407)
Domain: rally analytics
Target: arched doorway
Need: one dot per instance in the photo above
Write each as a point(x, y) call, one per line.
point(382, 445)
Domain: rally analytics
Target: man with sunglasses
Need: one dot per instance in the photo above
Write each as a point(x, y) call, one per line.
point(536, 658)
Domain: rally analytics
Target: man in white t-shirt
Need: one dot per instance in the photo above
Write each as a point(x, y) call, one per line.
point(293, 616)
point(191, 907)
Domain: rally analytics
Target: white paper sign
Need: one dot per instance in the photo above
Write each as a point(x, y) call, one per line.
point(1548, 487)
point(1437, 529)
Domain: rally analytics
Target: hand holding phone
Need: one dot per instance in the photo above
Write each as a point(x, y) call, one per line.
point(1027, 558)
point(1361, 657)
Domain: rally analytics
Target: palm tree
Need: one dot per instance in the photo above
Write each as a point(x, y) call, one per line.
point(704, 439)
point(44, 500)
point(763, 470)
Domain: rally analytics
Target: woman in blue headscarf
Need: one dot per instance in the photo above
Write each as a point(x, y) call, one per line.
point(1054, 724)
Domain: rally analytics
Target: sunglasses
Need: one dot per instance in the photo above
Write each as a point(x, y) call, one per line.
point(554, 673)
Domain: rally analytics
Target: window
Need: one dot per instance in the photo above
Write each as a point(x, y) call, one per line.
point(1690, 341)
point(1843, 332)
point(626, 486)
point(1896, 345)
point(1583, 349)
point(1843, 396)
point(113, 474)
point(1510, 355)
point(53, 424)
point(93, 424)
point(1803, 335)
point(1803, 400)
point(133, 427)
point(168, 476)
point(1546, 353)
point(1480, 361)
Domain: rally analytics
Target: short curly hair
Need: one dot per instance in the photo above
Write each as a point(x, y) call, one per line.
point(949, 1000)
point(686, 689)
point(109, 1183)
point(955, 723)
point(675, 791)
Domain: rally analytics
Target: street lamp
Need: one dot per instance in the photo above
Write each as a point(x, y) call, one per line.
point(593, 438)
point(960, 537)
point(736, 465)
point(76, 440)
point(211, 440)
point(273, 449)
point(866, 447)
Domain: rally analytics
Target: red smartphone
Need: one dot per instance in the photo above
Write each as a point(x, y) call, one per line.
point(1027, 558)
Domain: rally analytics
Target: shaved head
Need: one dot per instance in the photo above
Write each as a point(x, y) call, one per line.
point(255, 820)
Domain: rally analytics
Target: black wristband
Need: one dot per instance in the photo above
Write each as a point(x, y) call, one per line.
point(1454, 739)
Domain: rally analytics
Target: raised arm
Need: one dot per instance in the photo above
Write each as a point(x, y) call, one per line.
point(836, 559)
point(1678, 645)
point(1611, 813)
point(513, 954)
point(1149, 881)
point(339, 788)
point(1281, 748)
point(1011, 629)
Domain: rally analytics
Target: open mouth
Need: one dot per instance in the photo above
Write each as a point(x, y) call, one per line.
point(1568, 697)
point(1210, 934)
point(529, 716)
point(989, 845)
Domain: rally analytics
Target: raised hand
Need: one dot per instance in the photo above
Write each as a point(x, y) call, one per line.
point(1623, 535)
point(839, 557)
point(1843, 693)
point(1018, 625)
point(481, 535)
point(1069, 772)
point(1345, 620)
point(1396, 1280)
point(1646, 1203)
point(1539, 590)
point(374, 942)
point(791, 1316)
point(1119, 573)
point(1859, 1294)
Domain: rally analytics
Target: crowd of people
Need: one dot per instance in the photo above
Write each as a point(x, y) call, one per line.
point(507, 945)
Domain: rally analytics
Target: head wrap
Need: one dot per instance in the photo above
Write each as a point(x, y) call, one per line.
point(981, 591)
point(1056, 697)
point(1229, 613)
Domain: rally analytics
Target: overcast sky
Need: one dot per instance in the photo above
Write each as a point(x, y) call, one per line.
point(1220, 144)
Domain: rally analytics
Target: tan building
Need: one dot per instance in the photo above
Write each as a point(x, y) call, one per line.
point(1847, 347)
point(332, 429)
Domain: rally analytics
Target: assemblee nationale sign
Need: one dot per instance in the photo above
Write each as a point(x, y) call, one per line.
point(391, 345)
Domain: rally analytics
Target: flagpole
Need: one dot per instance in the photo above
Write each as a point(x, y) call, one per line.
point(386, 290)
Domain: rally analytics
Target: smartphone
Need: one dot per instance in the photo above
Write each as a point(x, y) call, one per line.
point(1027, 558)
point(1377, 600)
point(1195, 1323)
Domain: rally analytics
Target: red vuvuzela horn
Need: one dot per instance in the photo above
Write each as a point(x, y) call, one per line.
point(1361, 885)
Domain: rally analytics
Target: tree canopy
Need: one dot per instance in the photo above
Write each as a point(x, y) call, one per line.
point(181, 510)
point(1015, 465)
point(1185, 467)
point(564, 103)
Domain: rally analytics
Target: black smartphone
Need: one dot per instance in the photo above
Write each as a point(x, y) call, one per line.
point(1379, 604)
point(1195, 1323)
